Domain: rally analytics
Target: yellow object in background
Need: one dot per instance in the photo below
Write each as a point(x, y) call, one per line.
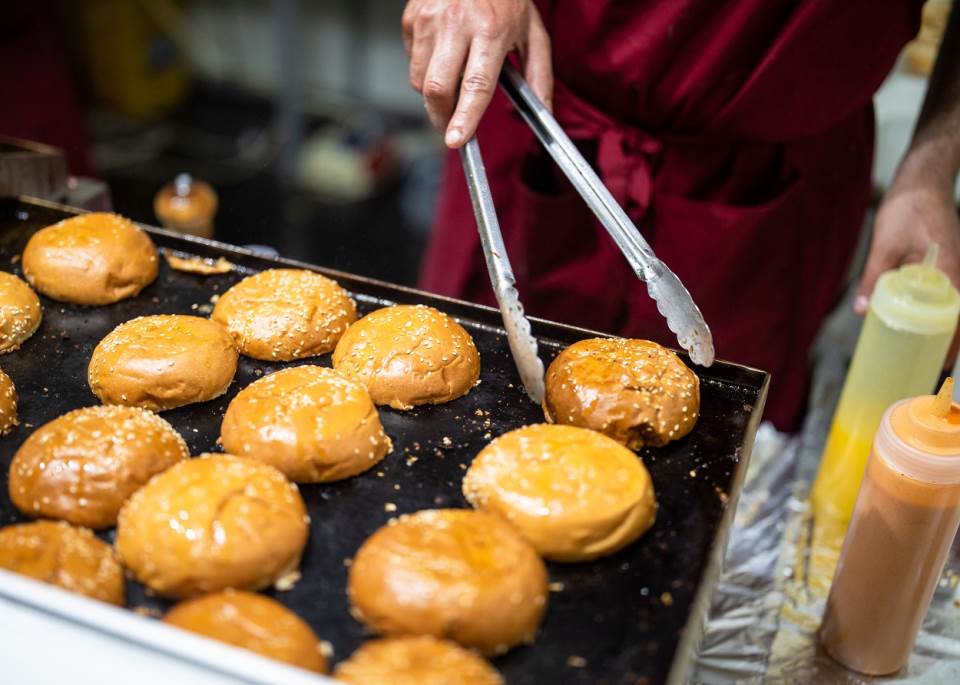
point(921, 52)
point(900, 353)
point(133, 63)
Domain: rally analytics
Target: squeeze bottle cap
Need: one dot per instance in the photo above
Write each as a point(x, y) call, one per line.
point(930, 423)
point(917, 298)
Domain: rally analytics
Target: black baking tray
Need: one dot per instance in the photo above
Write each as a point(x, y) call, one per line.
point(633, 617)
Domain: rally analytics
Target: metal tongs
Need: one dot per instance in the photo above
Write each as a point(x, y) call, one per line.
point(673, 300)
point(522, 343)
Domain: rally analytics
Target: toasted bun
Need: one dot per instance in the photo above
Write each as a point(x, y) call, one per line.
point(312, 423)
point(95, 258)
point(8, 404)
point(20, 312)
point(211, 523)
point(161, 362)
point(254, 622)
point(82, 466)
point(415, 661)
point(634, 391)
point(63, 555)
point(572, 493)
point(453, 573)
point(285, 314)
point(408, 355)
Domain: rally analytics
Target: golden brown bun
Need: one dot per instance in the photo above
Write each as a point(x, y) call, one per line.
point(96, 258)
point(161, 362)
point(63, 555)
point(452, 573)
point(213, 522)
point(408, 355)
point(82, 466)
point(635, 391)
point(415, 661)
point(254, 622)
point(191, 211)
point(312, 423)
point(574, 494)
point(8, 404)
point(285, 314)
point(20, 312)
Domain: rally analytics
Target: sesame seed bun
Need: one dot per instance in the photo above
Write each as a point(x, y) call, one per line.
point(453, 573)
point(161, 362)
point(408, 355)
point(20, 312)
point(210, 523)
point(415, 661)
point(311, 423)
point(82, 466)
point(71, 558)
point(574, 494)
point(96, 258)
point(635, 391)
point(285, 314)
point(8, 404)
point(253, 622)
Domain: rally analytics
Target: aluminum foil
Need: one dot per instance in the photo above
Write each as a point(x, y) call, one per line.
point(772, 592)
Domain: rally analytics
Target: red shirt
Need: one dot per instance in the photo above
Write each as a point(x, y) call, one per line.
point(738, 135)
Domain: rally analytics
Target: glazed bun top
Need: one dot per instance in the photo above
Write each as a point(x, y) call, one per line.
point(69, 557)
point(20, 312)
point(575, 494)
point(8, 404)
point(82, 466)
point(253, 622)
point(285, 314)
point(422, 660)
point(408, 355)
point(213, 522)
point(163, 361)
point(456, 573)
point(635, 391)
point(97, 258)
point(310, 422)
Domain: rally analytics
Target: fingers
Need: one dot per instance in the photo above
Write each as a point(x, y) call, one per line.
point(406, 24)
point(476, 90)
point(538, 66)
point(442, 79)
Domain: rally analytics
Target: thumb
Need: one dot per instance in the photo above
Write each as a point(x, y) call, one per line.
point(879, 261)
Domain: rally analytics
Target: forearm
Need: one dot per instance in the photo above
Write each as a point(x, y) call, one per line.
point(935, 149)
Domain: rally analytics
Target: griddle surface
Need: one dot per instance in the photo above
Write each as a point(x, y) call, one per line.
point(616, 620)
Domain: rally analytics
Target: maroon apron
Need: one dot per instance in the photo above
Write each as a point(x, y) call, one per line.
point(737, 135)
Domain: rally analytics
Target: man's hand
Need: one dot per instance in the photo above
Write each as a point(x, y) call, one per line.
point(919, 209)
point(456, 50)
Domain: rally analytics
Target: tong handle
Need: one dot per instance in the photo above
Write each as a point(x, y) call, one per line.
point(581, 174)
point(523, 345)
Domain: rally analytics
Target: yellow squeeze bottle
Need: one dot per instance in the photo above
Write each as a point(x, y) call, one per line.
point(900, 353)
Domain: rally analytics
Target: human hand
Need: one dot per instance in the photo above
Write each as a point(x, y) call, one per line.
point(450, 40)
point(919, 209)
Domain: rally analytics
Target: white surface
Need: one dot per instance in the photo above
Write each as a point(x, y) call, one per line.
point(51, 636)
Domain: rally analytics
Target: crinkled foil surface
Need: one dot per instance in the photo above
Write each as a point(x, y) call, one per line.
point(773, 589)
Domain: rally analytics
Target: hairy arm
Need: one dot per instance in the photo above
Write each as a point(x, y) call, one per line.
point(919, 207)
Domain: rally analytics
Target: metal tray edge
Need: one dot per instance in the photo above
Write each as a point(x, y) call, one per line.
point(685, 654)
point(123, 625)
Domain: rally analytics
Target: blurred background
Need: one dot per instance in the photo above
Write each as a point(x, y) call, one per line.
point(298, 113)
